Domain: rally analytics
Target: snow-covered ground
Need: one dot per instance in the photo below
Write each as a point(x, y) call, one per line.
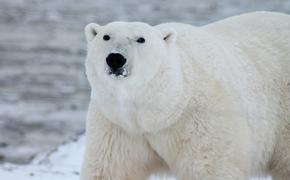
point(62, 164)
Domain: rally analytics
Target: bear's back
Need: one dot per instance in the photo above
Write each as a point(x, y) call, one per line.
point(260, 34)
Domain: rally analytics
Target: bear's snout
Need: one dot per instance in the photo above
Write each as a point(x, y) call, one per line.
point(115, 61)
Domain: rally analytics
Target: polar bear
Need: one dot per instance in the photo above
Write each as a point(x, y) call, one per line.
point(197, 103)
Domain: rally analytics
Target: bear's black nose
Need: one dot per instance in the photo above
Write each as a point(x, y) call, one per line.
point(115, 60)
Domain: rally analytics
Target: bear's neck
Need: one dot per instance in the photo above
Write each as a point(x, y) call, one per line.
point(164, 98)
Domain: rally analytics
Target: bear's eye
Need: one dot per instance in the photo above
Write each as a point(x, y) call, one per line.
point(106, 37)
point(140, 40)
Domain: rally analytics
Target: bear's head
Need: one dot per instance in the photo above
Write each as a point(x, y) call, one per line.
point(120, 50)
point(133, 70)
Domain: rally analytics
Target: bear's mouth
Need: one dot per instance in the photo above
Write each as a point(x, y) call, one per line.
point(118, 73)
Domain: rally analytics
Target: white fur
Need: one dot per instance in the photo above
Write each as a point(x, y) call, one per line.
point(200, 103)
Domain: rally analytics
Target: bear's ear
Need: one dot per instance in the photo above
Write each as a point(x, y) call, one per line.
point(91, 30)
point(169, 36)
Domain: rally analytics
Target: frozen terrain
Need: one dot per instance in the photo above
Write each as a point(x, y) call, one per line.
point(61, 164)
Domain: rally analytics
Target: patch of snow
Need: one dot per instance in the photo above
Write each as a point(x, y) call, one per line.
point(64, 163)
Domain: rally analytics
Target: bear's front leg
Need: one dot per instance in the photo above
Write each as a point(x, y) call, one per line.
point(112, 154)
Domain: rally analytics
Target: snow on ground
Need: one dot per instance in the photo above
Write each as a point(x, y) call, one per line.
point(61, 164)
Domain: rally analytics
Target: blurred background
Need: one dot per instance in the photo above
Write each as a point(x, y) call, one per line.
point(44, 93)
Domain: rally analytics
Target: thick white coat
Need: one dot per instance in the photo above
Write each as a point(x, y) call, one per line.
point(205, 103)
